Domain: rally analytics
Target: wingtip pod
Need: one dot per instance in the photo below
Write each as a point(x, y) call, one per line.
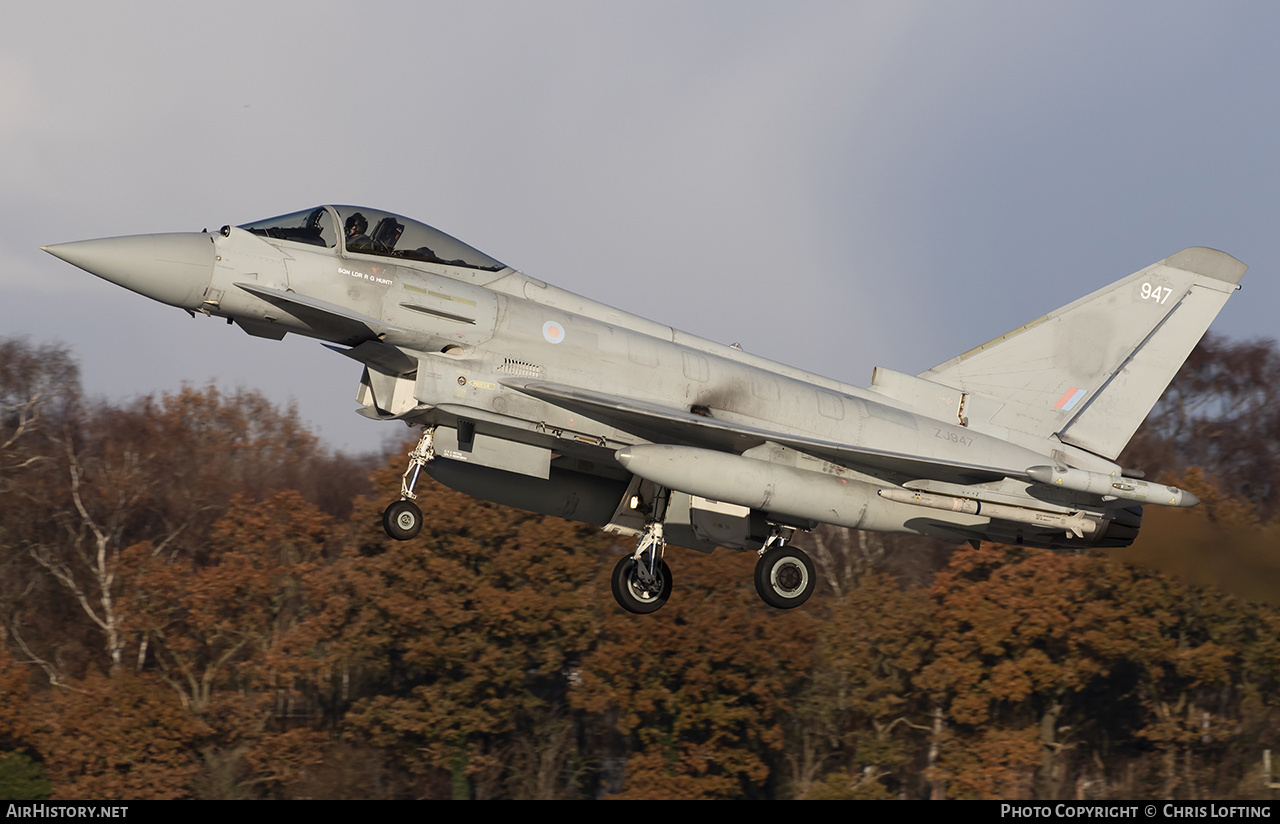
point(1210, 263)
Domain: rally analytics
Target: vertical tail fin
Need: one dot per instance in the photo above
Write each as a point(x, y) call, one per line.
point(1091, 371)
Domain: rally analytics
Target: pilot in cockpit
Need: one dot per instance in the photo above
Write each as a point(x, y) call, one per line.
point(356, 227)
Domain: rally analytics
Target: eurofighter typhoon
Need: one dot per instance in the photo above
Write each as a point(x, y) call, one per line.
point(537, 398)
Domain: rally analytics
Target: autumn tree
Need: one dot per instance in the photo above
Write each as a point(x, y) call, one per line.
point(700, 693)
point(843, 557)
point(126, 736)
point(1022, 636)
point(861, 724)
point(39, 394)
point(116, 561)
point(1221, 413)
point(197, 603)
point(39, 388)
point(462, 644)
point(154, 472)
point(228, 634)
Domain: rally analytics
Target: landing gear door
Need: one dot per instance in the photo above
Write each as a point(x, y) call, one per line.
point(703, 524)
point(715, 522)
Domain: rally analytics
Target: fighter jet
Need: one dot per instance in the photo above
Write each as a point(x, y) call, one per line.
point(535, 397)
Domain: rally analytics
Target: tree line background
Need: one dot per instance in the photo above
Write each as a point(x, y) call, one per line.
point(197, 600)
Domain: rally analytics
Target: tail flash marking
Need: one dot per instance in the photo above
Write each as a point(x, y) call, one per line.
point(1069, 399)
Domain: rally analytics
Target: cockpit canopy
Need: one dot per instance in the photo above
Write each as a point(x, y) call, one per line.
point(373, 232)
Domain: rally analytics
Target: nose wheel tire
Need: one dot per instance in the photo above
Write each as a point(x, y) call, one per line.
point(785, 577)
point(402, 520)
point(633, 593)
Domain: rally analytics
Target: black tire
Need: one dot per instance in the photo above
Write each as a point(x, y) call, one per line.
point(402, 520)
point(631, 593)
point(785, 577)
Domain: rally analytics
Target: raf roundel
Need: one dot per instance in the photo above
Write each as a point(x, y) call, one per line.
point(553, 332)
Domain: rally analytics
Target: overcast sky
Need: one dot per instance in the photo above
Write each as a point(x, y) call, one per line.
point(835, 185)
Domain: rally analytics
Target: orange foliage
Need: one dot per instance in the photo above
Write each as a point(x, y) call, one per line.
point(467, 632)
point(260, 647)
point(701, 688)
point(125, 737)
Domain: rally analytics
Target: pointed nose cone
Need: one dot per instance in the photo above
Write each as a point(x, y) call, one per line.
point(171, 268)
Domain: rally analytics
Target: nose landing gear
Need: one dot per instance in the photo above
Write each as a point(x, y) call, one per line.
point(403, 519)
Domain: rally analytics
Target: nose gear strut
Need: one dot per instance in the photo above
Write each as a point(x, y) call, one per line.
point(403, 519)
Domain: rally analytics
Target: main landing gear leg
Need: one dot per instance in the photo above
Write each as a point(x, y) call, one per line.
point(784, 575)
point(403, 519)
point(642, 581)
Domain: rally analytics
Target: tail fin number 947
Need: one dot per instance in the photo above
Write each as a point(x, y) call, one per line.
point(1157, 293)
